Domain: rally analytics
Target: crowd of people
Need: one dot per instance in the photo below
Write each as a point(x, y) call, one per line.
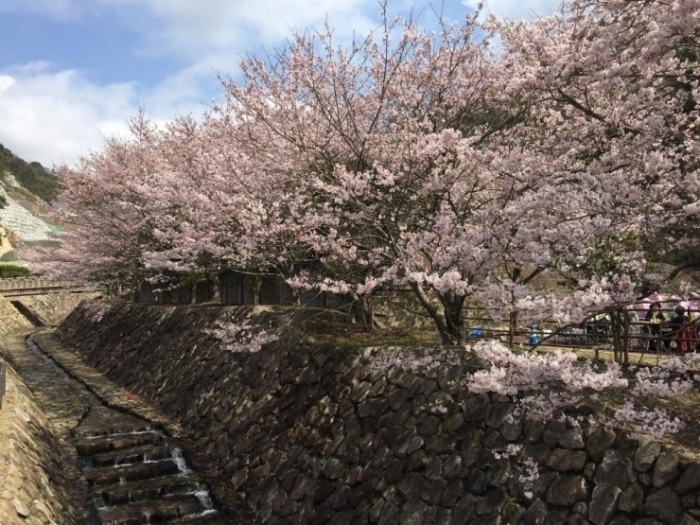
point(668, 324)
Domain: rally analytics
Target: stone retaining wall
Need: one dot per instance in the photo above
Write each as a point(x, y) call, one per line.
point(35, 488)
point(318, 434)
point(10, 319)
point(52, 309)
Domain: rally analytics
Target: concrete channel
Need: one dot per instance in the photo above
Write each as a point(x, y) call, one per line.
point(135, 473)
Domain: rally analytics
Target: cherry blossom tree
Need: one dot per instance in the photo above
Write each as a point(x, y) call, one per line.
point(426, 160)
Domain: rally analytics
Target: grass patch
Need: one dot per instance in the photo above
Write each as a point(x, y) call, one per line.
point(8, 271)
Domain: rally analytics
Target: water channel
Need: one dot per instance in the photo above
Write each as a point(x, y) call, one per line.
point(136, 474)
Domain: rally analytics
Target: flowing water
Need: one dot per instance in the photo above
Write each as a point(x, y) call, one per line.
point(135, 472)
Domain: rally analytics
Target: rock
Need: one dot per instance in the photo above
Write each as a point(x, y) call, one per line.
point(433, 491)
point(552, 432)
point(690, 480)
point(589, 471)
point(494, 440)
point(567, 491)
point(360, 391)
point(430, 426)
point(575, 519)
point(464, 510)
point(394, 471)
point(646, 454)
point(474, 407)
point(476, 481)
point(599, 442)
point(572, 439)
point(663, 505)
point(398, 399)
point(499, 473)
point(536, 514)
point(542, 482)
point(373, 407)
point(20, 508)
point(666, 469)
point(449, 378)
point(452, 493)
point(412, 513)
point(632, 499)
point(453, 423)
point(333, 468)
point(440, 444)
point(539, 452)
point(512, 512)
point(412, 486)
point(603, 504)
point(615, 471)
point(497, 412)
point(491, 502)
point(303, 487)
point(375, 510)
point(433, 468)
point(23, 416)
point(512, 430)
point(533, 430)
point(565, 460)
point(389, 516)
point(453, 466)
point(339, 499)
point(686, 519)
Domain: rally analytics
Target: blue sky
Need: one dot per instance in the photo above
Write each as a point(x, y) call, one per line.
point(74, 71)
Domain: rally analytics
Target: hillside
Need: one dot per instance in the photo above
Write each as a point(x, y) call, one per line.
point(31, 176)
point(26, 192)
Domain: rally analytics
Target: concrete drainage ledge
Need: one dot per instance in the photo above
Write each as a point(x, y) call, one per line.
point(131, 406)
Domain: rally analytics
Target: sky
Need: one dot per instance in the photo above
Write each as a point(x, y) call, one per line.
point(72, 72)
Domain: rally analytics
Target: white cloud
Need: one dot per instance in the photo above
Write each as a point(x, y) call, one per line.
point(199, 29)
point(55, 116)
point(515, 9)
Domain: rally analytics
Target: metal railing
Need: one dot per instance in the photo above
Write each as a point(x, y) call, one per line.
point(619, 330)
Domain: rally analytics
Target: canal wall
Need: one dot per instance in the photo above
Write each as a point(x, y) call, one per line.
point(312, 434)
point(36, 486)
point(33, 310)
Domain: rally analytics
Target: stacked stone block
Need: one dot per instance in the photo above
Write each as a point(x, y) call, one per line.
point(313, 434)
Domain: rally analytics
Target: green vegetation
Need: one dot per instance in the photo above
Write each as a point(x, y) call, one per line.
point(12, 270)
point(32, 176)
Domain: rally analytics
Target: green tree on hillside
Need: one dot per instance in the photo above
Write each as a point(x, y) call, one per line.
point(32, 176)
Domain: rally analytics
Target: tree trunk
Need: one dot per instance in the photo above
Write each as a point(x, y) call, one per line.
point(512, 327)
point(215, 296)
point(456, 331)
point(450, 324)
point(364, 312)
point(255, 284)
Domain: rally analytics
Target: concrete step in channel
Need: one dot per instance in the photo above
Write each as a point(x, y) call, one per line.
point(136, 475)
